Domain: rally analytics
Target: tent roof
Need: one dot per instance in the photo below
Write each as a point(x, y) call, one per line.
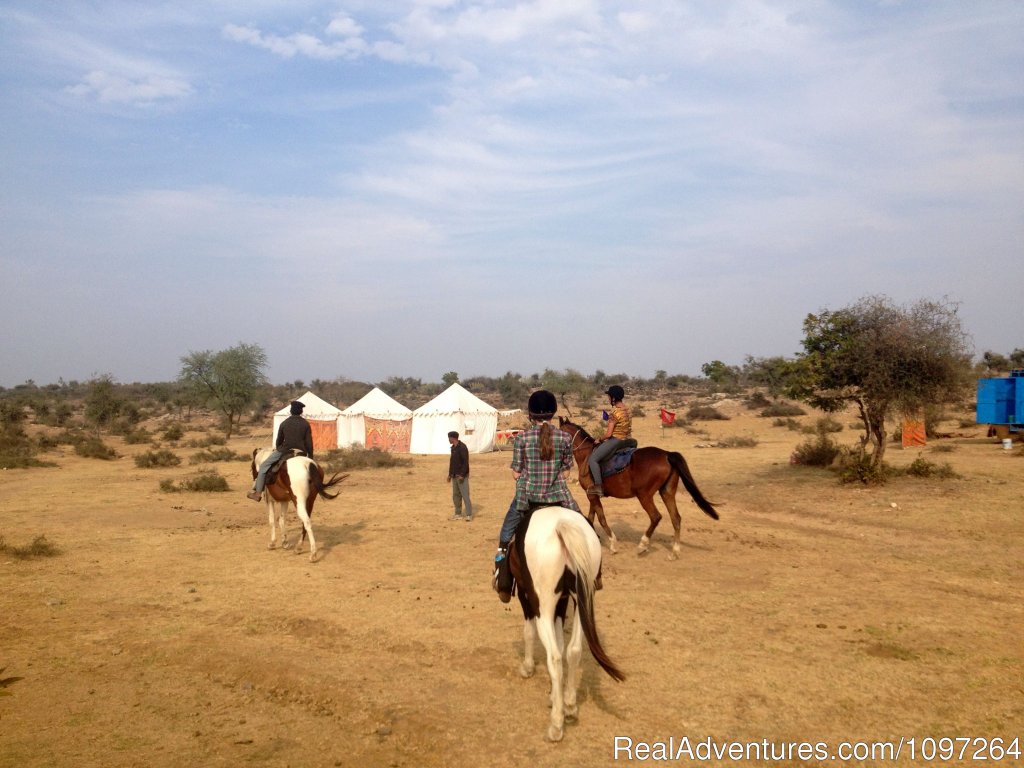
point(316, 408)
point(455, 399)
point(377, 404)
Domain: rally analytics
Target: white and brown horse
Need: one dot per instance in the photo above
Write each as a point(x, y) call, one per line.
point(299, 481)
point(559, 559)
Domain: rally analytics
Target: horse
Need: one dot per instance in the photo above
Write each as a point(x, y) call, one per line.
point(558, 558)
point(650, 470)
point(299, 481)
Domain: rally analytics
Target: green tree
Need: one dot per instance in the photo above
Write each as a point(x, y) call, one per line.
point(884, 359)
point(229, 379)
point(450, 378)
point(102, 403)
point(720, 373)
point(995, 363)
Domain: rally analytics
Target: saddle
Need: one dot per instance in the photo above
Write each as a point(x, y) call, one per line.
point(276, 466)
point(620, 458)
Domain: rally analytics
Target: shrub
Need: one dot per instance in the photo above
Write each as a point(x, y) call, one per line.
point(209, 481)
point(174, 433)
point(861, 469)
point(138, 437)
point(758, 400)
point(921, 467)
point(827, 424)
point(783, 409)
point(94, 448)
point(160, 458)
point(345, 459)
point(791, 424)
point(206, 442)
point(737, 441)
point(820, 452)
point(705, 413)
point(39, 547)
point(215, 454)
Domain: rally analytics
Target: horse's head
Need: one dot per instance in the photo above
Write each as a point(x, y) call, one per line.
point(578, 433)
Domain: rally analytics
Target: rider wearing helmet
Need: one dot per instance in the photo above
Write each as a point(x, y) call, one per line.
point(541, 455)
point(620, 426)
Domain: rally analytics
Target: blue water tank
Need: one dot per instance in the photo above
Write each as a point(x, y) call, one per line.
point(1001, 401)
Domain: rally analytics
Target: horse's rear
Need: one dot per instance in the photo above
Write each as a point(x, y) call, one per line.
point(562, 559)
point(299, 481)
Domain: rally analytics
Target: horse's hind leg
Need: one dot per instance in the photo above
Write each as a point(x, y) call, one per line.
point(546, 631)
point(668, 495)
point(527, 668)
point(273, 522)
point(307, 530)
point(573, 653)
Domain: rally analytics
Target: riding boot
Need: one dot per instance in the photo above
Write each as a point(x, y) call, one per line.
point(502, 581)
point(255, 495)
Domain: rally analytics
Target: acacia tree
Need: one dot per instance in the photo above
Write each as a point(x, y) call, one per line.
point(883, 358)
point(230, 379)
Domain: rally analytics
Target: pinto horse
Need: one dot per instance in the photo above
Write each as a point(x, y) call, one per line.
point(558, 558)
point(299, 481)
point(651, 470)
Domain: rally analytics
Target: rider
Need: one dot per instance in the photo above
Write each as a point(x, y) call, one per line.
point(540, 457)
point(620, 426)
point(294, 434)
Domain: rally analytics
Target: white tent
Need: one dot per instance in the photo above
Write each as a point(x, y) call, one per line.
point(376, 420)
point(454, 409)
point(322, 418)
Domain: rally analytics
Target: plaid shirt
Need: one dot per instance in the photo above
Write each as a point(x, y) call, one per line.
point(542, 480)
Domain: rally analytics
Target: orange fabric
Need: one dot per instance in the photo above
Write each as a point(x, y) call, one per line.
point(325, 435)
point(913, 433)
point(387, 435)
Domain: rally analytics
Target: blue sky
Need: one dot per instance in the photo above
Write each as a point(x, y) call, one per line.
point(371, 189)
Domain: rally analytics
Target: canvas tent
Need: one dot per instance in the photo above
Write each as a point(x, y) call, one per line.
point(322, 418)
point(376, 420)
point(454, 409)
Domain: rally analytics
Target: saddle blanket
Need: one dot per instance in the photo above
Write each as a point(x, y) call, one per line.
point(617, 462)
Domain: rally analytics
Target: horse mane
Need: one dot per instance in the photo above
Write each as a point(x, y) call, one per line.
point(581, 430)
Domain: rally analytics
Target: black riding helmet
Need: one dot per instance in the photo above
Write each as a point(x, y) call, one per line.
point(542, 405)
point(616, 392)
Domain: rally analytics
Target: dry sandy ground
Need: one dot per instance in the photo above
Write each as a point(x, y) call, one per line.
point(165, 633)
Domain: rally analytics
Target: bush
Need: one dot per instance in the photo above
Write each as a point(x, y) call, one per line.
point(160, 458)
point(206, 442)
point(791, 424)
point(736, 441)
point(215, 454)
point(860, 469)
point(705, 413)
point(346, 459)
point(921, 467)
point(174, 433)
point(94, 448)
point(138, 437)
point(39, 547)
point(827, 424)
point(758, 400)
point(783, 409)
point(204, 482)
point(820, 452)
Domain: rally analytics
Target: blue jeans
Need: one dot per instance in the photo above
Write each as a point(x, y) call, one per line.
point(603, 451)
point(261, 475)
point(508, 527)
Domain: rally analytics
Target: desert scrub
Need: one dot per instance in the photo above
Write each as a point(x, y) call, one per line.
point(705, 413)
point(737, 441)
point(789, 423)
point(39, 547)
point(174, 433)
point(209, 482)
point(160, 458)
point(921, 467)
point(346, 459)
point(215, 454)
point(820, 452)
point(94, 448)
point(783, 409)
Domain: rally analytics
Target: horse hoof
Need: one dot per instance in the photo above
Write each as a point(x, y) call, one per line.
point(526, 671)
point(271, 546)
point(554, 733)
point(571, 713)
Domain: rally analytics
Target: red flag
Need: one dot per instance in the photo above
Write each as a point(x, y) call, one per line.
point(667, 417)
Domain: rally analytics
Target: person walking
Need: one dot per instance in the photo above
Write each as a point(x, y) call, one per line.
point(620, 426)
point(458, 476)
point(293, 435)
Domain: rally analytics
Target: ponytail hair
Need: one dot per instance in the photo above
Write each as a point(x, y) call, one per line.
point(546, 443)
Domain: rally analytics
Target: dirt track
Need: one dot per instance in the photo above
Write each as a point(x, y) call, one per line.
point(166, 633)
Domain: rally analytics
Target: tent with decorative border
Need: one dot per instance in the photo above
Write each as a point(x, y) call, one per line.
point(455, 409)
point(376, 420)
point(322, 418)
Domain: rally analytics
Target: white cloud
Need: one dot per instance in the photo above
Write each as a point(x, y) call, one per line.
point(111, 88)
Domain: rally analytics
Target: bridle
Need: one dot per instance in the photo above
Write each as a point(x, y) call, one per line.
point(577, 434)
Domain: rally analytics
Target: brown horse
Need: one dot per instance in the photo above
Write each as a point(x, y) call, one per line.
point(299, 481)
point(651, 470)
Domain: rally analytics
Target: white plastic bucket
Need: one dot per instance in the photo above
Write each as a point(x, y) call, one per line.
point(1007, 444)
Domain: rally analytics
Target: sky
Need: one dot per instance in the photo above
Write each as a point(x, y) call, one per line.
point(369, 189)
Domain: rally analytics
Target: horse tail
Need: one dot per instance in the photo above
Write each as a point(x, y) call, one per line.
point(253, 467)
point(574, 544)
point(678, 463)
point(316, 481)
